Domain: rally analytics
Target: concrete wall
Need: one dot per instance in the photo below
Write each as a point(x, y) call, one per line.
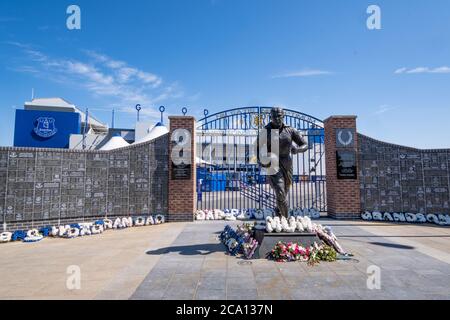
point(400, 179)
point(52, 186)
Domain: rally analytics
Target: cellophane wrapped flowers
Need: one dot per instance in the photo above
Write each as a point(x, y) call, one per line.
point(286, 252)
point(289, 252)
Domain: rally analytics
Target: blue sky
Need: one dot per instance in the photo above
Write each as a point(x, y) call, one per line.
point(317, 57)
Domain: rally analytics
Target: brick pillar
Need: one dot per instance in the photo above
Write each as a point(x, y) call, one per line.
point(343, 191)
point(182, 183)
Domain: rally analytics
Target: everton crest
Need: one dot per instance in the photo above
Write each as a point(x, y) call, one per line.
point(45, 127)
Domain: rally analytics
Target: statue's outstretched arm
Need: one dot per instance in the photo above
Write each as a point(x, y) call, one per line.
point(302, 149)
point(302, 143)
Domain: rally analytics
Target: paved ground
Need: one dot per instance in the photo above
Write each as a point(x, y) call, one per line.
point(194, 267)
point(185, 261)
point(112, 265)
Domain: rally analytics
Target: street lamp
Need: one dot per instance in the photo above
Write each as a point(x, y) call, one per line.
point(138, 109)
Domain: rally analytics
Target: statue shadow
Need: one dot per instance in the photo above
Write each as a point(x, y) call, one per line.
point(190, 250)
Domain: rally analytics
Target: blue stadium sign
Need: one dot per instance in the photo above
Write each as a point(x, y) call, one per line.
point(45, 127)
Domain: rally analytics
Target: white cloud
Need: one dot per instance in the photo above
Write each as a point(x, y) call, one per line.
point(124, 72)
point(25, 69)
point(420, 70)
point(444, 69)
point(401, 70)
point(383, 109)
point(102, 76)
point(302, 73)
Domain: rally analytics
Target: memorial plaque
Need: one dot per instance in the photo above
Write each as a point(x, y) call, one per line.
point(346, 165)
point(181, 171)
point(345, 138)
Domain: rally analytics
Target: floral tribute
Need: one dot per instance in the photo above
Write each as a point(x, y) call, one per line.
point(287, 252)
point(242, 242)
point(239, 241)
point(283, 252)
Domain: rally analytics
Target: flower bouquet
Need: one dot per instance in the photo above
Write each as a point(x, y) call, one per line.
point(289, 252)
point(322, 253)
point(249, 248)
point(283, 252)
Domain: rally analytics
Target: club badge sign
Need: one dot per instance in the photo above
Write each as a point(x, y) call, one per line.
point(45, 127)
point(181, 155)
point(345, 154)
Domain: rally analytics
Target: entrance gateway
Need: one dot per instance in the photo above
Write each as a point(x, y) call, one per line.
point(228, 174)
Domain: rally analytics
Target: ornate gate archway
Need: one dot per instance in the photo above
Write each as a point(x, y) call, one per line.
point(228, 176)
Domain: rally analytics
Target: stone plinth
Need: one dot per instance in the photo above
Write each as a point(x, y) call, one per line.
point(267, 241)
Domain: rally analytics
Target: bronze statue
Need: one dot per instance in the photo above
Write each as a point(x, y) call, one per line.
point(280, 179)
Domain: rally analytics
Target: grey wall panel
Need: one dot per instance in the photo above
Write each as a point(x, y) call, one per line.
point(57, 185)
point(401, 179)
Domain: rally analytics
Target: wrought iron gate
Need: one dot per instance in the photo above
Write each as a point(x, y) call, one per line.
point(228, 176)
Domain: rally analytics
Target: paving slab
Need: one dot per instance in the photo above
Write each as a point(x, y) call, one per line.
point(186, 261)
point(263, 279)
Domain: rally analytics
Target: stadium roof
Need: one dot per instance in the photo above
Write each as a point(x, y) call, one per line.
point(61, 105)
point(115, 142)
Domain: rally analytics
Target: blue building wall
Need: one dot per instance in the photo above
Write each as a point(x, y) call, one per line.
point(45, 129)
point(316, 136)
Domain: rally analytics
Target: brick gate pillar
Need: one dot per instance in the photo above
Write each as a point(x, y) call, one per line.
point(182, 178)
point(343, 188)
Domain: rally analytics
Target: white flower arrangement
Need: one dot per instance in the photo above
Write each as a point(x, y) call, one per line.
point(241, 216)
point(249, 214)
point(209, 215)
point(439, 219)
point(62, 230)
point(127, 222)
point(108, 223)
point(159, 219)
point(83, 228)
point(277, 223)
point(5, 237)
point(32, 233)
point(230, 218)
point(139, 222)
point(200, 215)
point(399, 217)
point(117, 224)
point(150, 221)
point(72, 233)
point(97, 229)
point(421, 218)
point(299, 224)
point(34, 238)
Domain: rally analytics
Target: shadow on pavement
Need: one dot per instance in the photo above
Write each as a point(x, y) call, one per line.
point(192, 250)
point(392, 245)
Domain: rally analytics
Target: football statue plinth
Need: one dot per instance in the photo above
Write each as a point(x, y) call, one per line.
point(267, 241)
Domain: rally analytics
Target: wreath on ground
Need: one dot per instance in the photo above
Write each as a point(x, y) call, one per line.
point(79, 229)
